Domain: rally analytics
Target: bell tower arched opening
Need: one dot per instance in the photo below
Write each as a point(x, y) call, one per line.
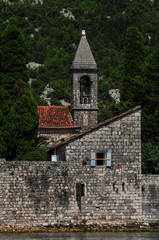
point(85, 90)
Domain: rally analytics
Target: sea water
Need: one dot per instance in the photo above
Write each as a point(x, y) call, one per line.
point(82, 236)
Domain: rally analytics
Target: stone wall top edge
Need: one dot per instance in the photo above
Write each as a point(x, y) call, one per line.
point(147, 177)
point(32, 163)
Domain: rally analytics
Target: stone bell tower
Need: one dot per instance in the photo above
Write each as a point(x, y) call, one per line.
point(84, 86)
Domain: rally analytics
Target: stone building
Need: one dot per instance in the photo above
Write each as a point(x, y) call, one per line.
point(105, 161)
point(94, 178)
point(56, 122)
point(97, 180)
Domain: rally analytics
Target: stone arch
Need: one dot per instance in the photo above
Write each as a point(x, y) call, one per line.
point(85, 89)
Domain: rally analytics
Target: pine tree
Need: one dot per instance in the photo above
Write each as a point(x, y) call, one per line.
point(18, 110)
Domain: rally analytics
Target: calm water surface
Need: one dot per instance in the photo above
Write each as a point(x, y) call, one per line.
point(80, 236)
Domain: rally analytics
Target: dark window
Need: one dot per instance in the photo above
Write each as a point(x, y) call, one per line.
point(82, 190)
point(123, 186)
point(79, 191)
point(100, 156)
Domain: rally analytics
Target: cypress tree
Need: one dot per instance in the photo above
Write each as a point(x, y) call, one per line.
point(134, 52)
point(18, 111)
point(151, 100)
point(13, 62)
point(133, 63)
point(7, 127)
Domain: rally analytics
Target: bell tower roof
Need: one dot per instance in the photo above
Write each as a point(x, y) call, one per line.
point(84, 58)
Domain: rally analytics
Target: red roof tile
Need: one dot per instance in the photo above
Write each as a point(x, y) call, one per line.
point(54, 116)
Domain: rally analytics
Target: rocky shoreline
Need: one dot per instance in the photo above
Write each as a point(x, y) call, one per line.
point(26, 229)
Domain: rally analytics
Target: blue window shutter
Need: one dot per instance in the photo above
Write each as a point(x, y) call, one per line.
point(93, 156)
point(109, 159)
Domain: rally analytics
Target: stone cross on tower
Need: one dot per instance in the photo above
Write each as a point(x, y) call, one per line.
point(84, 86)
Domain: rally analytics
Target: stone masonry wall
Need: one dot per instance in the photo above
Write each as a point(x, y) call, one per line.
point(45, 193)
point(35, 193)
point(105, 197)
point(150, 198)
point(56, 134)
point(85, 118)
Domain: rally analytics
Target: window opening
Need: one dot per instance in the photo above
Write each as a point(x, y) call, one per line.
point(80, 192)
point(85, 100)
point(113, 186)
point(85, 90)
point(123, 186)
point(100, 157)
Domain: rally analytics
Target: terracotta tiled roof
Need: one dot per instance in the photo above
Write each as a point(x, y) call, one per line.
point(54, 116)
point(74, 136)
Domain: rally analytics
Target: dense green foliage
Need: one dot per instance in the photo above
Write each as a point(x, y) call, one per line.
point(18, 110)
point(126, 56)
point(150, 163)
point(140, 87)
point(13, 62)
point(133, 63)
point(150, 116)
point(52, 39)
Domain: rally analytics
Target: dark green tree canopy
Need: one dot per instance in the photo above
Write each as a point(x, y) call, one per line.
point(151, 100)
point(13, 61)
point(18, 109)
point(133, 65)
point(134, 52)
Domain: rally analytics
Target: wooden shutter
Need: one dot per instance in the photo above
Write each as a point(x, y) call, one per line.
point(108, 159)
point(93, 157)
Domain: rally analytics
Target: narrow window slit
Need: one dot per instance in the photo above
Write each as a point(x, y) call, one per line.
point(123, 187)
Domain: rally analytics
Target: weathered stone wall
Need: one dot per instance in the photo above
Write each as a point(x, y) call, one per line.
point(85, 118)
point(54, 135)
point(84, 115)
point(44, 193)
point(109, 200)
point(150, 198)
point(35, 193)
